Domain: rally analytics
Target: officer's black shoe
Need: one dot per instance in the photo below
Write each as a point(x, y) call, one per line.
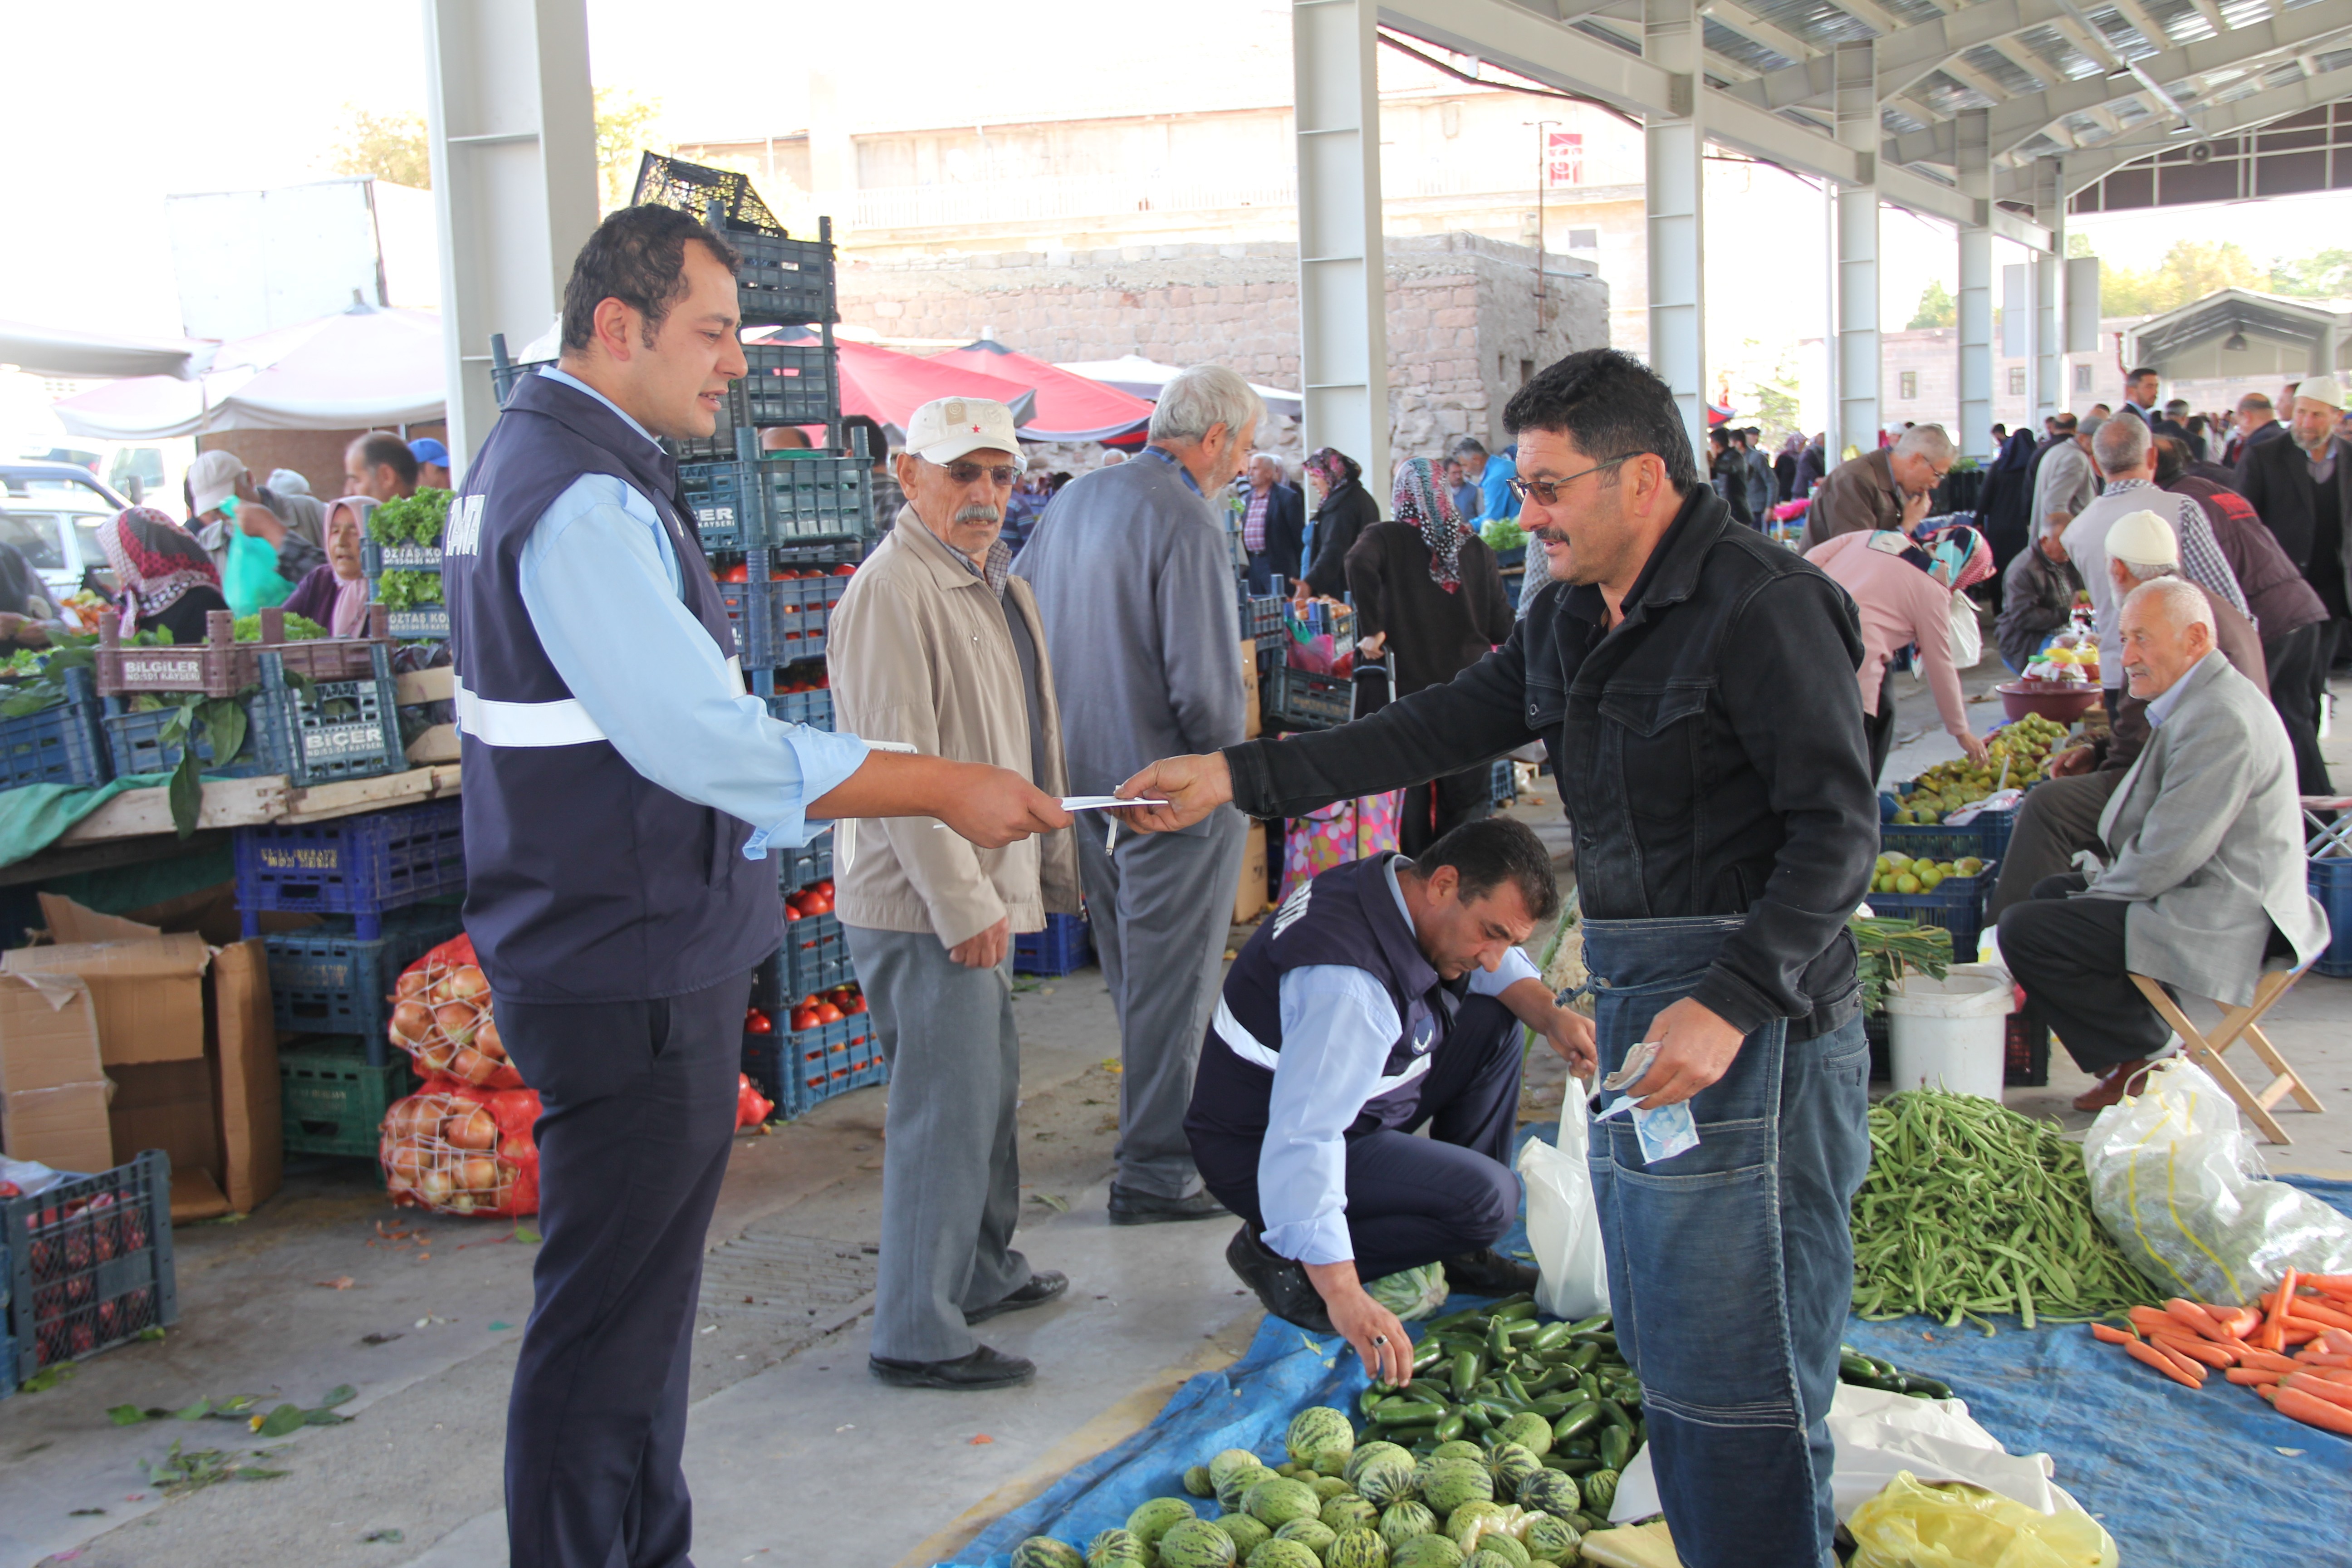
point(1129, 1207)
point(1281, 1286)
point(1487, 1272)
point(983, 1368)
point(1045, 1285)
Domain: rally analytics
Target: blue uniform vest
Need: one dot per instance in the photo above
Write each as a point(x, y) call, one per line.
point(1345, 916)
point(586, 880)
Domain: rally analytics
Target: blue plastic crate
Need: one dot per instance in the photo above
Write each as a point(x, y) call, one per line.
point(91, 1263)
point(782, 500)
point(1066, 945)
point(1957, 905)
point(799, 867)
point(814, 708)
point(336, 729)
point(355, 865)
point(2330, 880)
point(65, 744)
point(329, 980)
point(815, 1065)
point(815, 957)
point(1986, 838)
point(1502, 786)
point(779, 622)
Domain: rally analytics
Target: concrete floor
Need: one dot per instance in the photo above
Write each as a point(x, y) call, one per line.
point(789, 1432)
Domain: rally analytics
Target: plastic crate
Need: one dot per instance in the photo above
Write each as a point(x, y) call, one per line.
point(65, 744)
point(1262, 619)
point(1299, 699)
point(337, 729)
point(779, 501)
point(423, 623)
point(802, 1068)
point(1504, 786)
point(778, 622)
point(355, 865)
point(1987, 837)
point(1066, 945)
point(1957, 905)
point(91, 1263)
point(2330, 881)
point(787, 383)
point(334, 1097)
point(1880, 1034)
point(329, 980)
point(222, 667)
point(814, 708)
point(815, 956)
point(2025, 1052)
point(784, 280)
point(798, 867)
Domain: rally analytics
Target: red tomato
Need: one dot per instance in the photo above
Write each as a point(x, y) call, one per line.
point(856, 1005)
point(806, 1018)
point(817, 904)
point(823, 885)
point(826, 1013)
point(738, 573)
point(844, 569)
point(792, 913)
point(758, 1023)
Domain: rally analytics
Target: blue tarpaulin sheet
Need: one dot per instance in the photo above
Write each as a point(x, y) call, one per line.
point(2179, 1477)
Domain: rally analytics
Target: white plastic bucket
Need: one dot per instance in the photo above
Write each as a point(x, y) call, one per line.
point(1948, 1032)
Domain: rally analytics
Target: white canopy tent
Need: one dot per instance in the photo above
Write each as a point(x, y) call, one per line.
point(360, 369)
point(71, 354)
point(1141, 377)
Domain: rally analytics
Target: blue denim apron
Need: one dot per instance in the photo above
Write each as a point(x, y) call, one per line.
point(1731, 1265)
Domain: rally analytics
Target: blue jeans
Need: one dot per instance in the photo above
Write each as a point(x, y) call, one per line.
point(1731, 1266)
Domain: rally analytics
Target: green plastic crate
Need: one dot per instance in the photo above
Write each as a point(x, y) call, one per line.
point(334, 1100)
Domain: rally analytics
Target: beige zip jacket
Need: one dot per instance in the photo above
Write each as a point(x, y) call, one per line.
point(920, 653)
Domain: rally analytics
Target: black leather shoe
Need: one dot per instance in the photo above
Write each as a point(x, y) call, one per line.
point(1281, 1286)
point(1045, 1285)
point(983, 1368)
point(1129, 1207)
point(1487, 1272)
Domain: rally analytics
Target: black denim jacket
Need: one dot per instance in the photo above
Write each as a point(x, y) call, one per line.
point(1710, 751)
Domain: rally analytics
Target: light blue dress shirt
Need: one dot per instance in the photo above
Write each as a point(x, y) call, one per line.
point(2160, 708)
point(602, 586)
point(1338, 1026)
point(1162, 454)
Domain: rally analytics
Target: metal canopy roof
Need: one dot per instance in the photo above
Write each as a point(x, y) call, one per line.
point(2301, 334)
point(2097, 83)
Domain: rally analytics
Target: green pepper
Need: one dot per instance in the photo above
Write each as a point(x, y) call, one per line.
point(1574, 1464)
point(1599, 1320)
point(1406, 1436)
point(1583, 1355)
point(1475, 1415)
point(1616, 1447)
point(1450, 1426)
point(1513, 1309)
point(1614, 1413)
point(1577, 1420)
point(1551, 1407)
point(1465, 1374)
point(1549, 1336)
point(1515, 1388)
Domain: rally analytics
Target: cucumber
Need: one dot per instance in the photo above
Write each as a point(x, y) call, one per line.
point(1450, 1426)
point(1406, 1436)
point(1465, 1373)
point(1513, 1309)
point(1577, 1421)
point(1584, 1355)
point(1856, 1367)
point(1551, 1407)
point(1476, 1416)
point(1614, 1412)
point(1616, 1447)
point(1549, 1336)
point(1599, 1320)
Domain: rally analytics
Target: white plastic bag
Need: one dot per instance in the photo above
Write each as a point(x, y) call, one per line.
point(1563, 1221)
point(2177, 1182)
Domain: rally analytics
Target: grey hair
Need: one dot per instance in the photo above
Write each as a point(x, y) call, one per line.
point(2146, 571)
point(1468, 445)
point(1274, 457)
point(2121, 444)
point(2091, 424)
point(1198, 400)
point(2184, 602)
point(1932, 442)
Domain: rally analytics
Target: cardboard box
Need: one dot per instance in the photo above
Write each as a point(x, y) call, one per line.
point(148, 988)
point(64, 1127)
point(1249, 891)
point(52, 1090)
point(246, 1090)
point(1253, 710)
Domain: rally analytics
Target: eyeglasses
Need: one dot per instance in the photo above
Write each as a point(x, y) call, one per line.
point(968, 473)
point(1545, 492)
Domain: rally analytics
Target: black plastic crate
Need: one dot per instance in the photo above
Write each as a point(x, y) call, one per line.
point(1066, 945)
point(91, 1263)
point(815, 956)
point(329, 980)
point(421, 623)
point(783, 281)
point(1262, 619)
point(333, 1096)
point(786, 384)
point(336, 729)
point(65, 744)
point(779, 501)
point(357, 866)
point(1300, 700)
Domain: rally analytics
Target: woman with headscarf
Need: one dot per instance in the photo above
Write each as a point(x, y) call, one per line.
point(1344, 510)
point(335, 592)
point(2005, 498)
point(1907, 590)
point(163, 577)
point(1430, 597)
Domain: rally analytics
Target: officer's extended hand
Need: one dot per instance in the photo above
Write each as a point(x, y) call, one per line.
point(1695, 1048)
point(1192, 786)
point(1374, 1332)
point(994, 807)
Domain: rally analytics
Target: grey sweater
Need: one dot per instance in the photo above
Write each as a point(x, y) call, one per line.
point(1134, 582)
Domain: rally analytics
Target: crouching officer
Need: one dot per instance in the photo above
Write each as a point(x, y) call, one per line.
point(622, 792)
point(1384, 993)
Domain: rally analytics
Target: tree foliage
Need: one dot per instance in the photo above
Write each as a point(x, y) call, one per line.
point(391, 147)
point(624, 121)
point(1937, 308)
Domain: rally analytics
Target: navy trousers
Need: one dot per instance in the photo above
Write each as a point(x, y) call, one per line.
point(637, 1108)
point(1412, 1200)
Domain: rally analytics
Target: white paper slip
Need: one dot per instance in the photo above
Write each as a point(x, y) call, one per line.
point(1101, 802)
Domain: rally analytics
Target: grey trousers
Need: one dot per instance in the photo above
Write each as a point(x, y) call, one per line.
point(1162, 906)
point(2058, 818)
point(951, 1162)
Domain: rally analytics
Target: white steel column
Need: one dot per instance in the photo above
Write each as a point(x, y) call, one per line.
point(1975, 434)
point(513, 129)
point(1675, 197)
point(2048, 374)
point(1856, 416)
point(1343, 351)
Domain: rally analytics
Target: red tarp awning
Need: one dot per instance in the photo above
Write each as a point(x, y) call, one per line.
point(1069, 408)
point(888, 387)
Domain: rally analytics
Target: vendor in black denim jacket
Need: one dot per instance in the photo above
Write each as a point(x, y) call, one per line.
point(1693, 683)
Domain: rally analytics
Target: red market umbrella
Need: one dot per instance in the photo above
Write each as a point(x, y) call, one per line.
point(1069, 408)
point(887, 386)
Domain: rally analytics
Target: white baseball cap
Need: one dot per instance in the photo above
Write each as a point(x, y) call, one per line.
point(211, 480)
point(2143, 538)
point(947, 428)
point(2327, 389)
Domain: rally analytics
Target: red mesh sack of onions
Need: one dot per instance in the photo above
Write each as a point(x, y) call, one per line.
point(441, 1017)
point(456, 1149)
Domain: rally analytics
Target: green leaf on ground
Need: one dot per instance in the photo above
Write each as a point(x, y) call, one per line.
point(196, 1412)
point(126, 1415)
point(49, 1377)
point(341, 1393)
point(283, 1420)
point(524, 1233)
point(389, 1537)
point(1053, 1200)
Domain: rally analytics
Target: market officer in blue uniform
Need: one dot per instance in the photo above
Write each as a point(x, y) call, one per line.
point(1384, 993)
point(622, 793)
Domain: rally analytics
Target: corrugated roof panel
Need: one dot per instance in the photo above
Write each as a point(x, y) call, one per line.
point(1912, 12)
point(2006, 73)
point(1894, 122)
point(2182, 21)
point(2121, 36)
point(2050, 44)
point(1747, 51)
point(1947, 95)
point(1821, 25)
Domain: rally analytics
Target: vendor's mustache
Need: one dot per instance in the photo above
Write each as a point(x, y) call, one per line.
point(980, 512)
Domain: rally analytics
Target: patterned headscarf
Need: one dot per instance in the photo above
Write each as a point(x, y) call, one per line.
point(1963, 557)
point(1422, 502)
point(1334, 467)
point(155, 560)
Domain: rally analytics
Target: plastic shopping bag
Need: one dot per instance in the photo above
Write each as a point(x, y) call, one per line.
point(2176, 1180)
point(1911, 1525)
point(249, 579)
point(1563, 1220)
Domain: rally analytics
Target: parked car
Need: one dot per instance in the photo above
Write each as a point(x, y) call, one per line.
point(51, 512)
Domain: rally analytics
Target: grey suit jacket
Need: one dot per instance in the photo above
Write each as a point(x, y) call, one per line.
point(1134, 579)
point(2207, 837)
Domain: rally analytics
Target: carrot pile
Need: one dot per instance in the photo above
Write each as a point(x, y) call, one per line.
point(2309, 1314)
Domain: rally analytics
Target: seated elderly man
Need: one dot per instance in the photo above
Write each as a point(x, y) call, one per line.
point(2201, 870)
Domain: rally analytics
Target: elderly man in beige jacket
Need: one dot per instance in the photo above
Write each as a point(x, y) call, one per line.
point(937, 646)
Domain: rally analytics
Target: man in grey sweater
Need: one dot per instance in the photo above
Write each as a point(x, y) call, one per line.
point(1134, 581)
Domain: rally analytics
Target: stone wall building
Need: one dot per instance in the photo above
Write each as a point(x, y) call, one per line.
point(1466, 326)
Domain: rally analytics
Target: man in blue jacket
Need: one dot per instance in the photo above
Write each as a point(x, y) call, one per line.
point(622, 792)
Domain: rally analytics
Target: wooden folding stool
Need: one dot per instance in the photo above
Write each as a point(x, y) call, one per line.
point(2278, 977)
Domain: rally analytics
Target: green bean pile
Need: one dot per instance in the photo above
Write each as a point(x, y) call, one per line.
point(1970, 1208)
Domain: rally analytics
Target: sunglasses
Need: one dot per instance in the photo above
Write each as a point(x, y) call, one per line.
point(968, 473)
point(1545, 492)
